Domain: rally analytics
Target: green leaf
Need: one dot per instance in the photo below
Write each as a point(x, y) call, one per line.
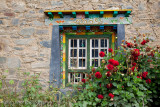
point(6, 71)
point(116, 92)
point(11, 82)
point(129, 84)
point(114, 83)
point(139, 93)
point(33, 89)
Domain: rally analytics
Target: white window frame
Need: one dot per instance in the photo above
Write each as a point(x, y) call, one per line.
point(78, 48)
point(99, 49)
point(74, 77)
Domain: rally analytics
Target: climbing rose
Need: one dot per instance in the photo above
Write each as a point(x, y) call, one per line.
point(148, 81)
point(110, 66)
point(100, 96)
point(110, 50)
point(101, 54)
point(134, 64)
point(133, 68)
point(144, 74)
point(111, 61)
point(83, 80)
point(129, 45)
point(143, 42)
point(139, 77)
point(108, 74)
point(136, 53)
point(98, 75)
point(109, 86)
point(111, 95)
point(115, 63)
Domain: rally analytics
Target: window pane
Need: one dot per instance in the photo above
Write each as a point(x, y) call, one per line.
point(82, 43)
point(75, 43)
point(94, 43)
point(73, 52)
point(81, 62)
point(94, 52)
point(104, 50)
point(95, 62)
point(105, 42)
point(80, 53)
point(73, 63)
point(102, 42)
point(71, 42)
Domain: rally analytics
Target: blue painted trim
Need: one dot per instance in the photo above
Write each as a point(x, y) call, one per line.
point(60, 27)
point(74, 27)
point(115, 13)
point(101, 13)
point(120, 34)
point(74, 14)
point(87, 27)
point(101, 27)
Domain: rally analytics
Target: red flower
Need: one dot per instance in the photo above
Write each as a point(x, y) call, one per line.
point(111, 61)
point(115, 63)
point(110, 66)
point(144, 74)
point(110, 50)
point(111, 95)
point(136, 58)
point(101, 54)
point(133, 68)
point(139, 77)
point(148, 81)
point(129, 45)
point(98, 75)
point(143, 42)
point(134, 64)
point(109, 86)
point(135, 54)
point(100, 96)
point(109, 74)
point(100, 85)
point(83, 80)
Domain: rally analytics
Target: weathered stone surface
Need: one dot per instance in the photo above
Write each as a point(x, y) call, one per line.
point(141, 6)
point(127, 7)
point(15, 22)
point(2, 60)
point(23, 41)
point(12, 71)
point(27, 32)
point(37, 23)
point(117, 0)
point(18, 48)
point(1, 22)
point(42, 32)
point(9, 14)
point(13, 62)
point(18, 6)
point(40, 65)
point(46, 44)
point(56, 3)
point(140, 24)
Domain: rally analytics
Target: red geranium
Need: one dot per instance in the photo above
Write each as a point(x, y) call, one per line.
point(100, 96)
point(83, 80)
point(143, 42)
point(101, 54)
point(110, 66)
point(110, 50)
point(115, 63)
point(111, 61)
point(144, 74)
point(148, 81)
point(109, 74)
point(109, 86)
point(111, 95)
point(134, 64)
point(98, 75)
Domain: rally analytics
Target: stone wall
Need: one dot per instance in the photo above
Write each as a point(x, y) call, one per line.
point(26, 40)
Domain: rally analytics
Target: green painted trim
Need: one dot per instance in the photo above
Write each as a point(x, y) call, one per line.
point(115, 13)
point(101, 13)
point(60, 14)
point(87, 14)
point(50, 15)
point(74, 14)
point(88, 50)
point(127, 13)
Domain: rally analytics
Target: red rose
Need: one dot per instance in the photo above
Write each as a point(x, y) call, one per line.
point(135, 58)
point(109, 86)
point(144, 74)
point(110, 50)
point(101, 54)
point(139, 77)
point(133, 68)
point(115, 63)
point(83, 80)
point(134, 64)
point(129, 45)
point(100, 96)
point(136, 53)
point(110, 66)
point(148, 81)
point(111, 95)
point(143, 42)
point(109, 74)
point(111, 61)
point(100, 85)
point(98, 75)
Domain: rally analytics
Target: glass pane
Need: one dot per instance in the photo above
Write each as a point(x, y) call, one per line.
point(81, 62)
point(83, 76)
point(75, 43)
point(80, 53)
point(77, 79)
point(71, 42)
point(82, 43)
point(105, 42)
point(94, 52)
point(95, 62)
point(94, 43)
point(73, 52)
point(73, 63)
point(102, 42)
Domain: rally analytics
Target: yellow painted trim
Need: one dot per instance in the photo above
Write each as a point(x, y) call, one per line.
point(108, 15)
point(87, 10)
point(56, 16)
point(113, 37)
point(64, 38)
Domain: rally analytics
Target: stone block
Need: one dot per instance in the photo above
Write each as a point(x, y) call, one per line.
point(27, 32)
point(140, 24)
point(2, 60)
point(37, 23)
point(18, 6)
point(116, 0)
point(1, 22)
point(23, 41)
point(46, 44)
point(42, 32)
point(141, 6)
point(18, 48)
point(13, 62)
point(40, 65)
point(12, 71)
point(9, 14)
point(15, 22)
point(57, 3)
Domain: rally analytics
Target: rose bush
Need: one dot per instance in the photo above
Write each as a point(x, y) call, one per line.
point(127, 77)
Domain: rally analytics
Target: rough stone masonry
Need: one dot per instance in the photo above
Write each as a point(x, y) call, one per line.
point(26, 39)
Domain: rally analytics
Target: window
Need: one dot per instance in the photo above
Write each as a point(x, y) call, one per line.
point(83, 52)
